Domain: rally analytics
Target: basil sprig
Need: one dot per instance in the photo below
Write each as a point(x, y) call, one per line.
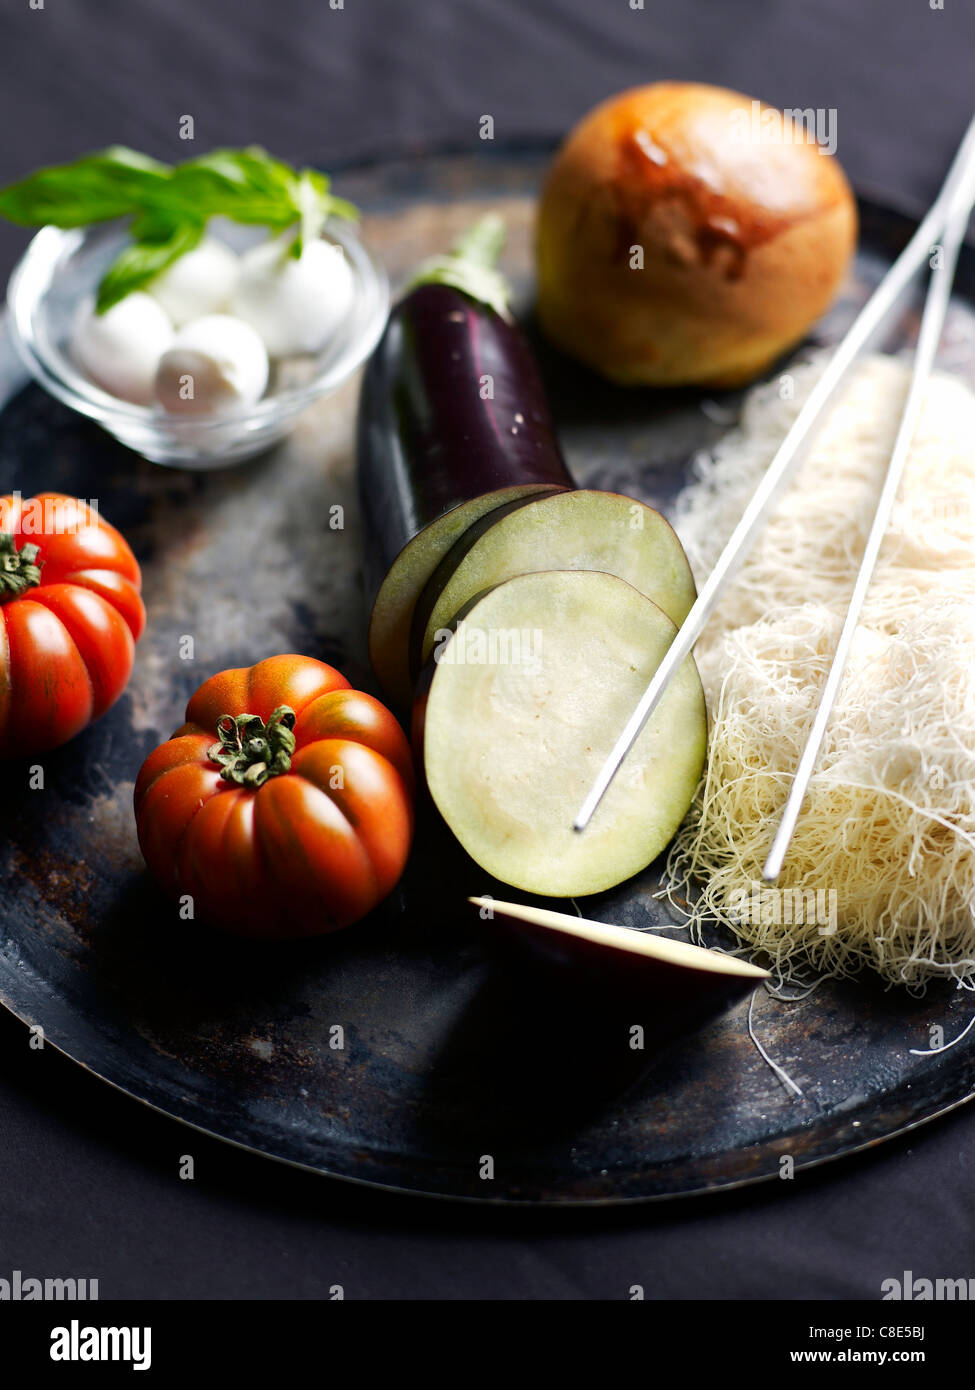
point(170, 205)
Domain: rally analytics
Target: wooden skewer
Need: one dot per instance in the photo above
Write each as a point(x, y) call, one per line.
point(868, 321)
point(929, 335)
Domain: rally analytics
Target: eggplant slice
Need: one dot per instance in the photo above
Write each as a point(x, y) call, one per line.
point(519, 707)
point(676, 980)
point(584, 530)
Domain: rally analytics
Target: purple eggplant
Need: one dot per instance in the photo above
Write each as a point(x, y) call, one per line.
point(453, 424)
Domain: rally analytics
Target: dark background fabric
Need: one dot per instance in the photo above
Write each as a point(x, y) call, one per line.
point(89, 1180)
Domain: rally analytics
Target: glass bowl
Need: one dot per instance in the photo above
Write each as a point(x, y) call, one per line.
point(61, 268)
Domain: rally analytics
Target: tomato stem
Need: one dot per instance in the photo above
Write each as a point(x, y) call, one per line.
point(250, 751)
point(19, 570)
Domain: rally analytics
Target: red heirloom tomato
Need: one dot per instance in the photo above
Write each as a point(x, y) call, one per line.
point(284, 806)
point(70, 616)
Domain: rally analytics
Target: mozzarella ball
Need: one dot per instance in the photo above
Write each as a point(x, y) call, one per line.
point(120, 349)
point(216, 364)
point(200, 282)
point(295, 305)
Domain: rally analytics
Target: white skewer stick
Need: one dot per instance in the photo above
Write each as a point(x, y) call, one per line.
point(929, 335)
point(867, 322)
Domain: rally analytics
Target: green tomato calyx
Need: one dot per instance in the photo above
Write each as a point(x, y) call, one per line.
point(251, 752)
point(19, 569)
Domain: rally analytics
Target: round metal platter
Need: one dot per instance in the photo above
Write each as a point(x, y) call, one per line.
point(404, 1051)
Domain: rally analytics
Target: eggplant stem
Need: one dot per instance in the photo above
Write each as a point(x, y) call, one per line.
point(482, 243)
point(471, 266)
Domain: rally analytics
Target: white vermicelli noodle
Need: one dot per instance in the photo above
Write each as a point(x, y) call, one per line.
point(887, 832)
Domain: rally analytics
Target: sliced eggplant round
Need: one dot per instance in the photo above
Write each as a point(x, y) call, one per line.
point(517, 711)
point(584, 530)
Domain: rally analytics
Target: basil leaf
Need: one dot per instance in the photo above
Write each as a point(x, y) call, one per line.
point(243, 184)
point(142, 261)
point(251, 186)
point(315, 204)
point(170, 205)
point(112, 183)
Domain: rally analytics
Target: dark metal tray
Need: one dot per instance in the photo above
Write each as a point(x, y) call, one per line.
point(447, 1057)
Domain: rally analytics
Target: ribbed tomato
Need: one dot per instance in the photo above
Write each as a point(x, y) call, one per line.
point(70, 616)
point(284, 805)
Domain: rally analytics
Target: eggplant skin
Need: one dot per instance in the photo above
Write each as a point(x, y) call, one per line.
point(428, 440)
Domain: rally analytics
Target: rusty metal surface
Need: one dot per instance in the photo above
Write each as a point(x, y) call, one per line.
point(448, 1051)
